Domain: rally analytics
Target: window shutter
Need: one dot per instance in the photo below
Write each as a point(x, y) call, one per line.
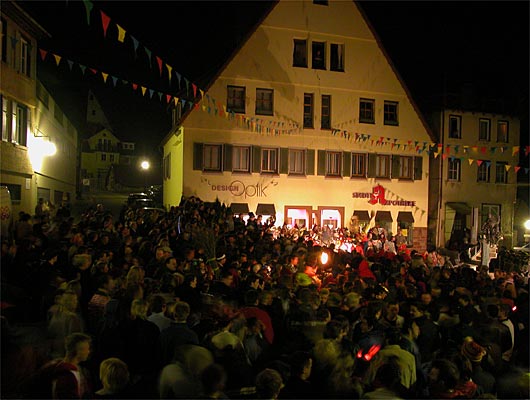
point(395, 167)
point(256, 159)
point(372, 162)
point(321, 166)
point(418, 168)
point(310, 162)
point(346, 163)
point(227, 166)
point(284, 160)
point(197, 156)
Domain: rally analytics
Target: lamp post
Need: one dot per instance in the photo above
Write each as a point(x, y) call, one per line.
point(145, 165)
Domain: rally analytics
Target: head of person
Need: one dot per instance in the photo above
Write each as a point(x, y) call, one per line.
point(157, 304)
point(268, 384)
point(139, 309)
point(77, 346)
point(301, 364)
point(181, 311)
point(410, 328)
point(114, 374)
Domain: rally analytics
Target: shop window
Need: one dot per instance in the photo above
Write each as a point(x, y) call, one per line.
point(502, 131)
point(241, 159)
point(300, 53)
point(483, 171)
point(325, 118)
point(236, 99)
point(484, 130)
point(269, 161)
point(455, 123)
point(212, 154)
point(454, 170)
point(501, 172)
point(308, 110)
point(336, 61)
point(264, 101)
point(366, 111)
point(318, 55)
point(391, 113)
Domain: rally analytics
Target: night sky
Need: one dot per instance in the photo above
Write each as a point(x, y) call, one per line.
point(484, 45)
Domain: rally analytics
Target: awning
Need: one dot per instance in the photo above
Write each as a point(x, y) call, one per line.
point(239, 208)
point(460, 208)
point(362, 215)
point(383, 216)
point(405, 216)
point(265, 209)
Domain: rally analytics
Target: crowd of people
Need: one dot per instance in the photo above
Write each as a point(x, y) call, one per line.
point(198, 303)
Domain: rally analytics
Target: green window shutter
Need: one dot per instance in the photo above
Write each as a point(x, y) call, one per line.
point(256, 159)
point(310, 162)
point(321, 166)
point(395, 167)
point(418, 168)
point(346, 163)
point(227, 150)
point(372, 162)
point(197, 156)
point(284, 160)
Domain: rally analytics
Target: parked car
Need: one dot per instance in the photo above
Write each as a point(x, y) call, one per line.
point(135, 196)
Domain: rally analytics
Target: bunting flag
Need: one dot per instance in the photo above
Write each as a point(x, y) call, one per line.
point(168, 98)
point(151, 92)
point(57, 59)
point(470, 161)
point(187, 86)
point(169, 69)
point(194, 90)
point(178, 77)
point(114, 80)
point(202, 93)
point(507, 167)
point(83, 68)
point(70, 64)
point(105, 76)
point(159, 61)
point(148, 52)
point(105, 21)
point(43, 54)
point(88, 7)
point(176, 100)
point(516, 168)
point(479, 162)
point(121, 34)
point(135, 45)
point(144, 89)
point(483, 150)
point(135, 86)
point(515, 150)
point(94, 71)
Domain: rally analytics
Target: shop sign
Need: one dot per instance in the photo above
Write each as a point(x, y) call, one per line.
point(378, 197)
point(238, 189)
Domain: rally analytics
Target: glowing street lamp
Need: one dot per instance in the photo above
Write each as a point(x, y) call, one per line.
point(145, 165)
point(527, 224)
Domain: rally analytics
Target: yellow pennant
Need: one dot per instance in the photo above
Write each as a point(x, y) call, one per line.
point(105, 76)
point(515, 150)
point(169, 69)
point(121, 34)
point(144, 89)
point(57, 59)
point(470, 161)
point(176, 100)
point(507, 166)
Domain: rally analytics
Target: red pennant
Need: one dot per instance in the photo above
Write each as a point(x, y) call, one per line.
point(94, 71)
point(159, 61)
point(135, 86)
point(168, 98)
point(479, 162)
point(194, 90)
point(105, 20)
point(516, 169)
point(483, 150)
point(526, 150)
point(448, 150)
point(43, 54)
point(196, 106)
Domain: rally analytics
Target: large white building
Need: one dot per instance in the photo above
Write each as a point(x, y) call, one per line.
point(474, 175)
point(309, 121)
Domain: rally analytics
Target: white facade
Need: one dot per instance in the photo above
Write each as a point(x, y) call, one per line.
point(474, 175)
point(319, 140)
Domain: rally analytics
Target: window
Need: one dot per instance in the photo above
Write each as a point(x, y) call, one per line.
point(382, 166)
point(15, 191)
point(58, 114)
point(501, 173)
point(112, 158)
point(453, 170)
point(484, 129)
point(241, 159)
point(491, 210)
point(236, 99)
point(333, 163)
point(455, 123)
point(5, 114)
point(405, 168)
point(42, 94)
point(212, 157)
point(325, 121)
point(167, 166)
point(103, 157)
point(269, 161)
point(308, 110)
point(300, 53)
point(25, 56)
point(337, 57)
point(502, 131)
point(391, 113)
point(319, 55)
point(296, 162)
point(358, 165)
point(366, 111)
point(483, 174)
point(4, 39)
point(20, 124)
point(264, 101)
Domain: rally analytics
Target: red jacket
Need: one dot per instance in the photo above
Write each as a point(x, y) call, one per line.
point(263, 316)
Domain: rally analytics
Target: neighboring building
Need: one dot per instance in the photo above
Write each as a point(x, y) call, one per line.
point(39, 144)
point(335, 138)
point(473, 177)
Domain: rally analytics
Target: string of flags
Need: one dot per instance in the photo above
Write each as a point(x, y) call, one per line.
point(391, 195)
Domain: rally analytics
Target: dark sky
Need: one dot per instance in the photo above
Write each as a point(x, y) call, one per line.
point(484, 44)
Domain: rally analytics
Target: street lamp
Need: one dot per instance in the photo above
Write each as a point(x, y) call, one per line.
point(527, 224)
point(145, 167)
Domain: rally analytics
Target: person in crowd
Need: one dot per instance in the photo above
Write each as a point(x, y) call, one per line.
point(158, 306)
point(114, 376)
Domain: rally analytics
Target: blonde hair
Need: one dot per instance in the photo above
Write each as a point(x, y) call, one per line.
point(135, 276)
point(139, 309)
point(114, 374)
point(68, 301)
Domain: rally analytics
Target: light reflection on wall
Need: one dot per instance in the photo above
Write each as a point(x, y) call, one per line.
point(38, 149)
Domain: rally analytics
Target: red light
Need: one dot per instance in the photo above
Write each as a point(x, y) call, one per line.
point(514, 308)
point(360, 353)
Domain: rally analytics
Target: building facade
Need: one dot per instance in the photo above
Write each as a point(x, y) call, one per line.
point(309, 122)
point(473, 176)
point(39, 144)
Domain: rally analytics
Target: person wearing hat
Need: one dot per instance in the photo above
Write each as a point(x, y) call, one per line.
point(475, 353)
